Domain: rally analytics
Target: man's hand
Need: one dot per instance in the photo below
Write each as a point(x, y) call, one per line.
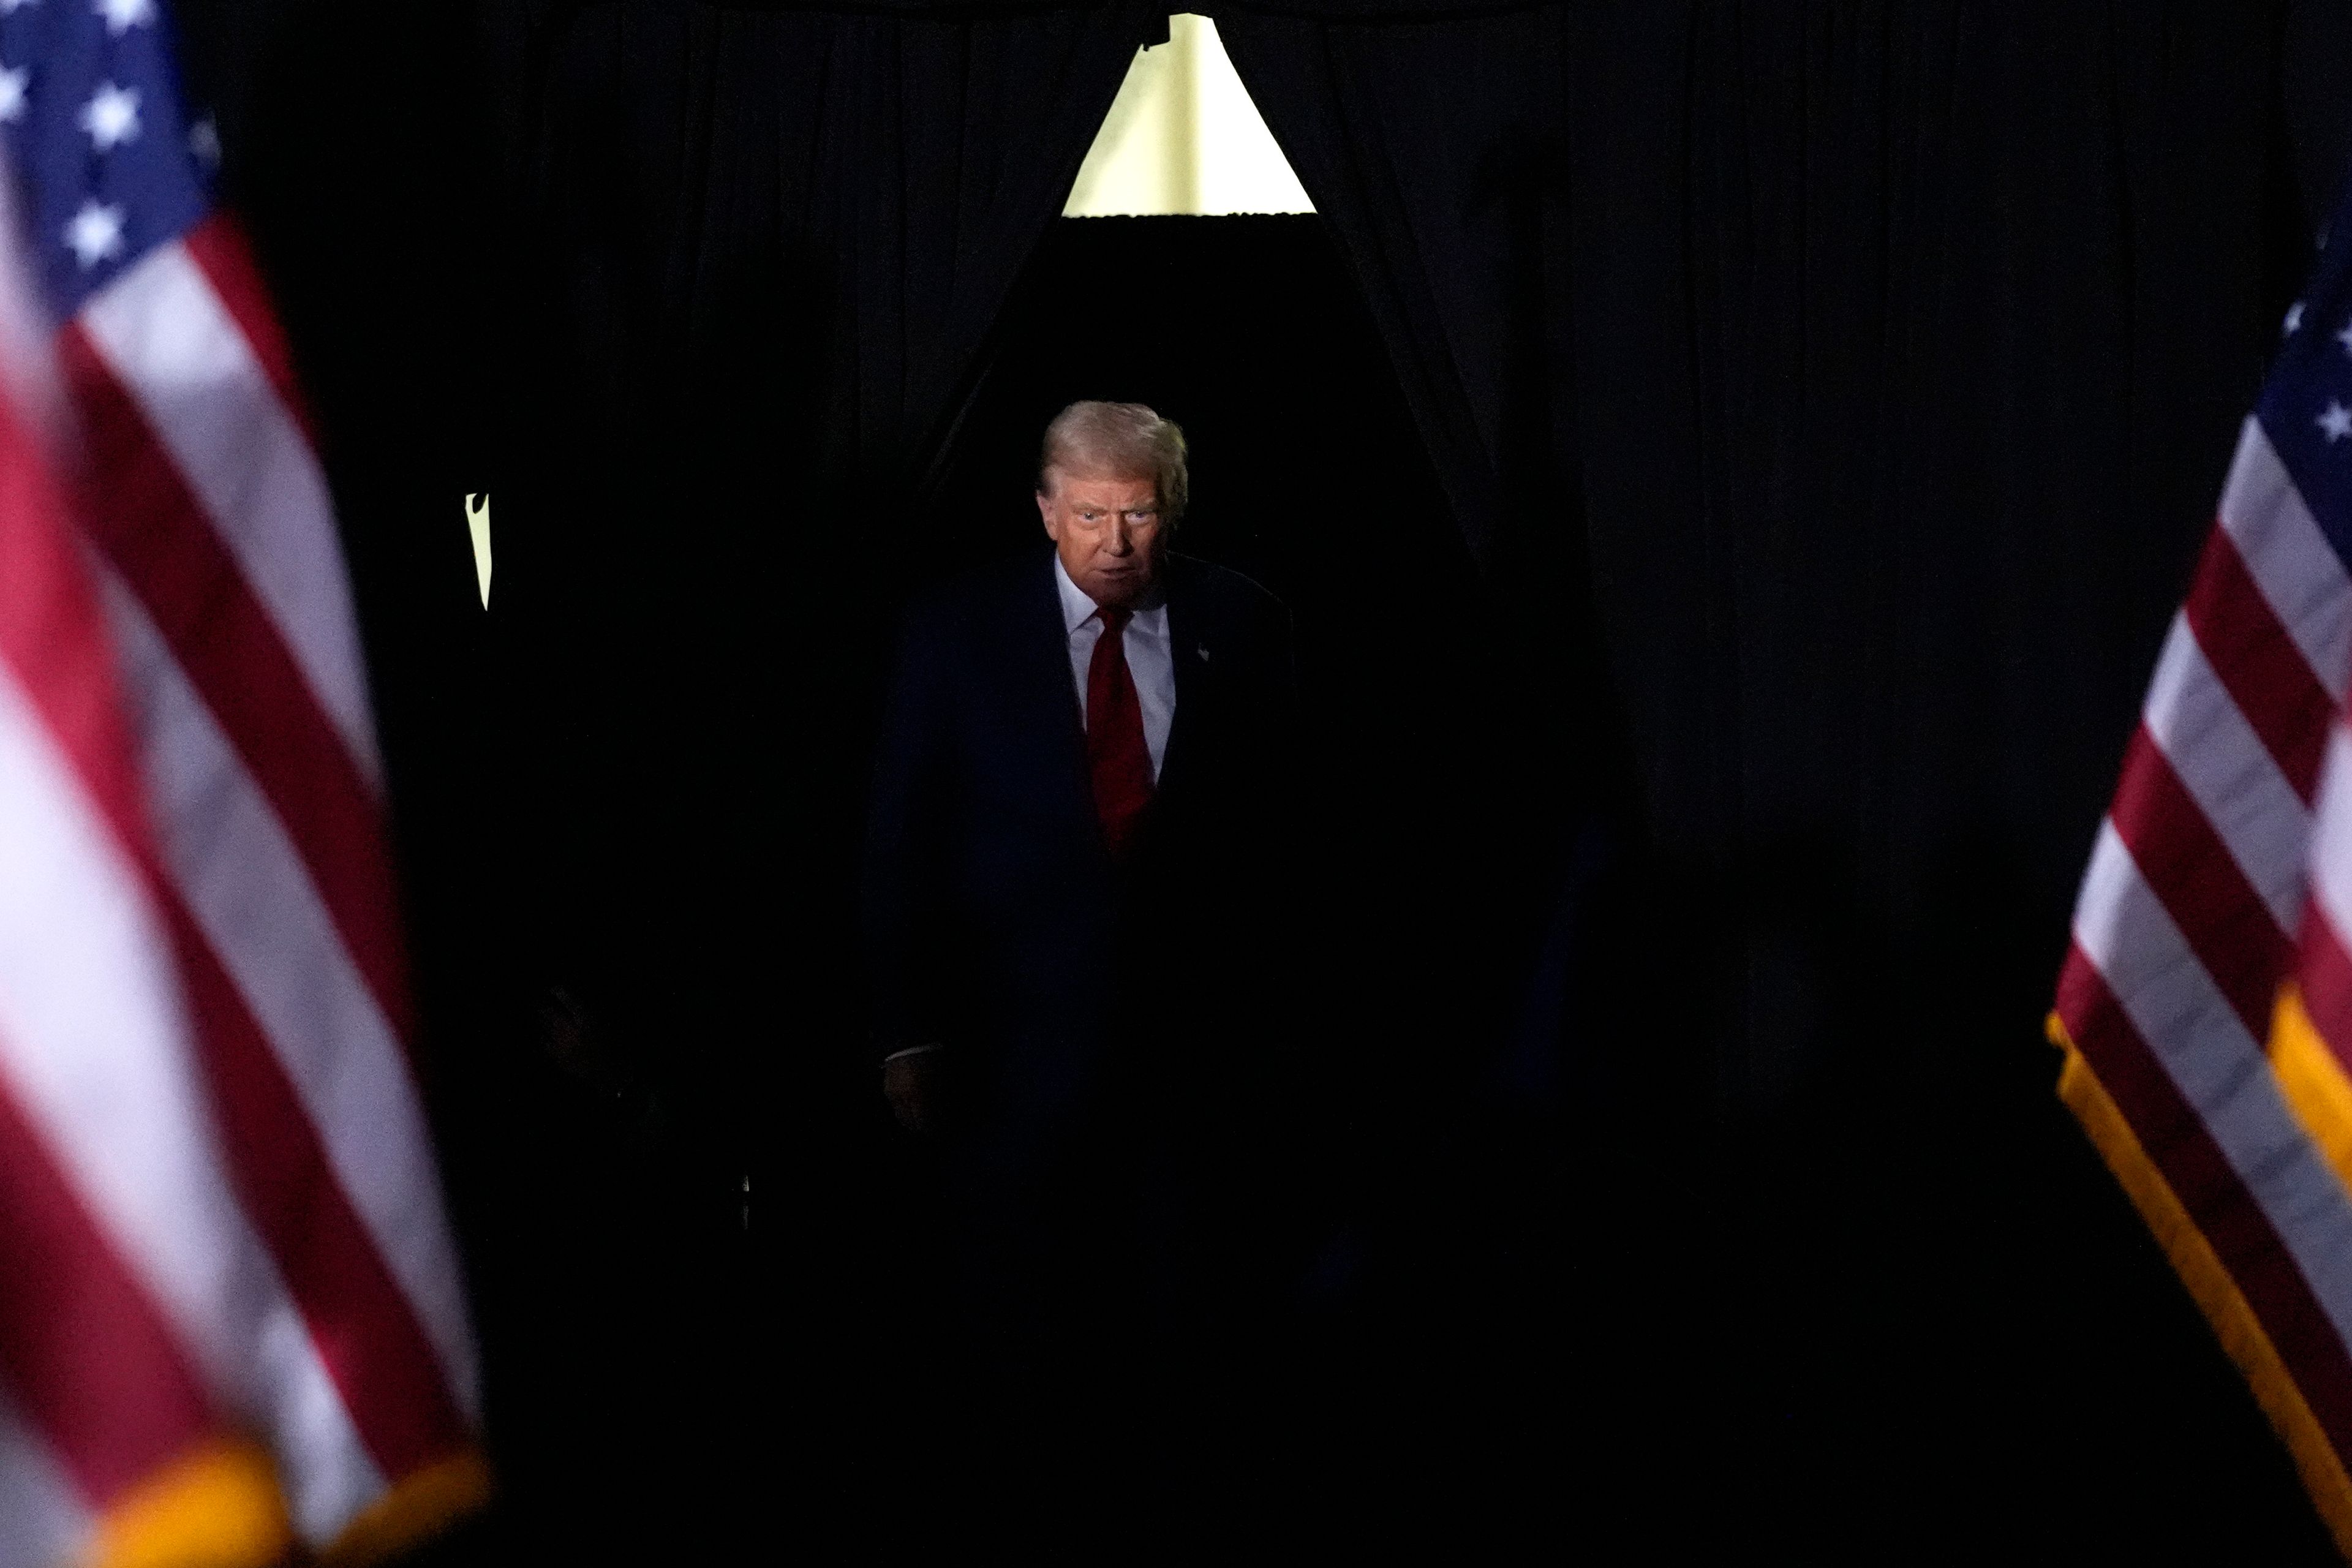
point(910, 1082)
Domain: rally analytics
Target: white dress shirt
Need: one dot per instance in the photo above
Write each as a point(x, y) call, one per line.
point(1150, 659)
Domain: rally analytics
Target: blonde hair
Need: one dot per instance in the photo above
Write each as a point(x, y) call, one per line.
point(1123, 438)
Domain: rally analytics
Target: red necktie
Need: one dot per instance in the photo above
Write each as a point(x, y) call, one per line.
point(1116, 758)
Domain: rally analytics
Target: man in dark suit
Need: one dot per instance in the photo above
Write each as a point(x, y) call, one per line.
point(1074, 905)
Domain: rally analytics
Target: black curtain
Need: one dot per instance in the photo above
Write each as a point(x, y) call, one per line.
point(755, 257)
point(1908, 347)
point(1436, 150)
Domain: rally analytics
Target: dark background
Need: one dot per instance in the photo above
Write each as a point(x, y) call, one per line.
point(1731, 465)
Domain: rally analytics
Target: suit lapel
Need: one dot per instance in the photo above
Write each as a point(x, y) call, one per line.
point(1043, 648)
point(1191, 654)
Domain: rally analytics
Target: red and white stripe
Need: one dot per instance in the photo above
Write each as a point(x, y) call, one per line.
point(109, 1183)
point(213, 1149)
point(2195, 902)
point(229, 605)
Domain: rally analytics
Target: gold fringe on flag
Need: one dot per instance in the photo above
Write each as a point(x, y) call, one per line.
point(217, 1507)
point(2193, 1258)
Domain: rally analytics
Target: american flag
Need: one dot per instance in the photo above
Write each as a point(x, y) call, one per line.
point(230, 1300)
point(2206, 1003)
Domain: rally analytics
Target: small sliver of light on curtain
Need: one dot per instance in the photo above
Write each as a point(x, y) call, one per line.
point(478, 528)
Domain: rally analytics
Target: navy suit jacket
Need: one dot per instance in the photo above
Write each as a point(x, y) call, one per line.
point(995, 921)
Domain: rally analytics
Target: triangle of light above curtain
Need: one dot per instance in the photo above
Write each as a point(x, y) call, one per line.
point(1182, 137)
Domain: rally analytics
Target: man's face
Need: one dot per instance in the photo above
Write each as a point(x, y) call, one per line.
point(1107, 532)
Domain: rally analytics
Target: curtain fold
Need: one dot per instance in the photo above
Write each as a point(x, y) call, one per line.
point(1436, 146)
point(1435, 150)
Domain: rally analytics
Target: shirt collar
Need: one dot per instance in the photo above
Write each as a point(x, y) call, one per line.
point(1077, 609)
